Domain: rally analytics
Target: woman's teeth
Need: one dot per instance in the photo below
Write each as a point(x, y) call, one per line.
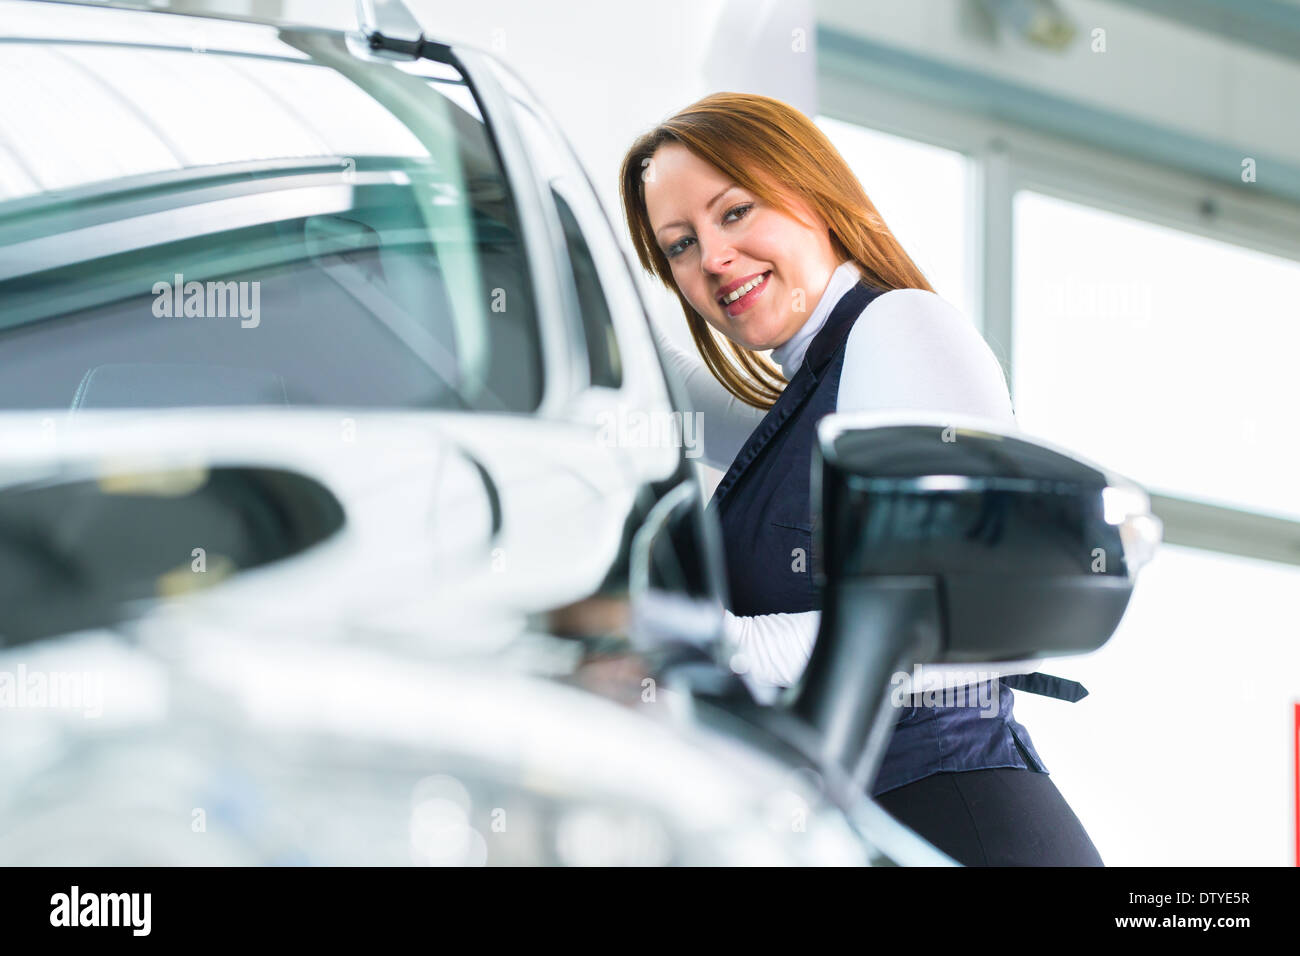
point(733, 296)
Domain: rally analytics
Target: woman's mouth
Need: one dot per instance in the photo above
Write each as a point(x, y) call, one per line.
point(741, 299)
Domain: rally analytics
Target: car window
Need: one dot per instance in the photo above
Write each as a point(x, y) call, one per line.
point(602, 345)
point(194, 227)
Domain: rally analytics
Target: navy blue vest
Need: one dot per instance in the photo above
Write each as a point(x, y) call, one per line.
point(764, 504)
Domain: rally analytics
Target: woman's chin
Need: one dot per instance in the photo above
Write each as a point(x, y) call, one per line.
point(760, 340)
point(752, 333)
point(749, 342)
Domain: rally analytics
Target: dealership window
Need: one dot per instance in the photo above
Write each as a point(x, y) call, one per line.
point(1167, 356)
point(922, 192)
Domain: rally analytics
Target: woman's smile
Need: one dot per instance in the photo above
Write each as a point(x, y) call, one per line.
point(740, 297)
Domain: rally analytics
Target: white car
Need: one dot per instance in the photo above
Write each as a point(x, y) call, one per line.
point(321, 539)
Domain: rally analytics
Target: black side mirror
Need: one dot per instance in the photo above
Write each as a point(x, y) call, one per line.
point(946, 540)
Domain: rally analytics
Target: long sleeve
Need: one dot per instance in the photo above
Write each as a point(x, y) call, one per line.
point(774, 647)
point(725, 421)
point(909, 350)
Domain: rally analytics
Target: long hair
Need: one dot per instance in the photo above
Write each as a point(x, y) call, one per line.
point(759, 141)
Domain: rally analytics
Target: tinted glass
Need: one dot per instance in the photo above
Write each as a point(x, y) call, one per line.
point(602, 346)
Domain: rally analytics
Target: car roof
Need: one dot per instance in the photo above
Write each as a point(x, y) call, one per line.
point(137, 22)
point(76, 9)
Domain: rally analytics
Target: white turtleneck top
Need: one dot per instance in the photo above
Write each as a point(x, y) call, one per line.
point(908, 350)
point(790, 355)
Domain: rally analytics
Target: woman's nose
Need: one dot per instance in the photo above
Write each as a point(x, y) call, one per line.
point(716, 255)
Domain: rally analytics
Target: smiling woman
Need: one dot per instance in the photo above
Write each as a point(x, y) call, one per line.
point(742, 207)
point(761, 305)
point(708, 200)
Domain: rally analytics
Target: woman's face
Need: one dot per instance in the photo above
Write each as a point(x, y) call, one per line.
point(719, 237)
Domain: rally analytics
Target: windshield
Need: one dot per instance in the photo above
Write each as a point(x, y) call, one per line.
point(290, 226)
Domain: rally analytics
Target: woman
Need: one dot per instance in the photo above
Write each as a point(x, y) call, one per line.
point(742, 207)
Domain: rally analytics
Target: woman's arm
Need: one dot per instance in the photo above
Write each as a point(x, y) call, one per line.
point(911, 350)
point(775, 647)
point(725, 422)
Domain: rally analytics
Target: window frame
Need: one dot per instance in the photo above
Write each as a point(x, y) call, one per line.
point(546, 163)
point(1005, 158)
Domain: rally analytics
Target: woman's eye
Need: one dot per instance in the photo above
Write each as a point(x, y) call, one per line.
point(738, 211)
point(742, 210)
point(676, 247)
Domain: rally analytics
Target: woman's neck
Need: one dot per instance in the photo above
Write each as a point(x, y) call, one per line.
point(789, 355)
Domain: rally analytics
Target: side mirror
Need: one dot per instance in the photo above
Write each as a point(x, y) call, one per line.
point(943, 540)
point(76, 551)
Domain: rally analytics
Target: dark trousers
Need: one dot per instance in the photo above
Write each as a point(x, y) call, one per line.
point(1000, 817)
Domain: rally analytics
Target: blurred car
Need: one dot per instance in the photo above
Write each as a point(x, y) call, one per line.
point(345, 510)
